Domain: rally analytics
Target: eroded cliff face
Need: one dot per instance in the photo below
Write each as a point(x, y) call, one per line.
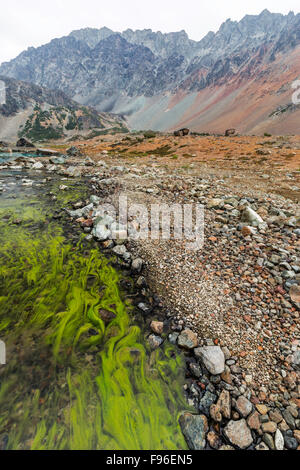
point(162, 80)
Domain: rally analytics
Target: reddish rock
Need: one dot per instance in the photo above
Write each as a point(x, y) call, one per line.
point(226, 376)
point(106, 315)
point(262, 395)
point(269, 427)
point(214, 440)
point(291, 380)
point(238, 434)
point(215, 413)
point(275, 416)
point(224, 404)
point(246, 231)
point(280, 290)
point(157, 327)
point(283, 426)
point(188, 339)
point(254, 400)
point(295, 293)
point(296, 401)
point(262, 409)
point(254, 421)
point(87, 223)
point(297, 435)
point(244, 406)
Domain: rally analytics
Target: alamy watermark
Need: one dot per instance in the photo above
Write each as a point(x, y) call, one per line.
point(296, 94)
point(2, 353)
point(156, 222)
point(2, 93)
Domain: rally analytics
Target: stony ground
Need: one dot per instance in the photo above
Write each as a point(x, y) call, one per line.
point(233, 305)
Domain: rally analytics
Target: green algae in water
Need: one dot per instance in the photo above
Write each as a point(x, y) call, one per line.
point(71, 381)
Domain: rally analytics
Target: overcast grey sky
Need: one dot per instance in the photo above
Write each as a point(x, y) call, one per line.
point(25, 23)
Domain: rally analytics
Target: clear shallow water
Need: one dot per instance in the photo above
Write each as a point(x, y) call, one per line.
point(4, 157)
point(72, 381)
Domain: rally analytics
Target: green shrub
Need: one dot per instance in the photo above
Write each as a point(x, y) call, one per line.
point(150, 134)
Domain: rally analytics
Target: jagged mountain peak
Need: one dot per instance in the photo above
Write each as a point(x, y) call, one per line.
point(265, 12)
point(91, 36)
point(161, 44)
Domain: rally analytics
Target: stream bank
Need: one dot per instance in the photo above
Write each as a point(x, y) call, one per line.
point(79, 373)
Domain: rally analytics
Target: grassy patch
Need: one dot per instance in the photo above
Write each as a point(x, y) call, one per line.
point(162, 151)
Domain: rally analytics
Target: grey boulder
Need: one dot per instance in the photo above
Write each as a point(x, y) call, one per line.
point(213, 358)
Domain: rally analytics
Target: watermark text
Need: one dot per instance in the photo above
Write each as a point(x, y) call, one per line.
point(2, 93)
point(2, 353)
point(155, 222)
point(296, 94)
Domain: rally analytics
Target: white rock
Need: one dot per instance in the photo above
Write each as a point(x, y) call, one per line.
point(137, 265)
point(101, 232)
point(249, 215)
point(37, 166)
point(51, 167)
point(121, 251)
point(84, 211)
point(72, 171)
point(213, 358)
point(95, 199)
point(101, 163)
point(248, 379)
point(279, 441)
point(215, 203)
point(87, 209)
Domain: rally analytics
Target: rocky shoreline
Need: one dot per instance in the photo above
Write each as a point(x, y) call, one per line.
point(217, 386)
point(239, 407)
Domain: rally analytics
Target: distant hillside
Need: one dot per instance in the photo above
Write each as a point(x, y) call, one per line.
point(41, 114)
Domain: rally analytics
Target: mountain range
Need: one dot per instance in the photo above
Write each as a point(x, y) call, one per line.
point(42, 114)
point(241, 76)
